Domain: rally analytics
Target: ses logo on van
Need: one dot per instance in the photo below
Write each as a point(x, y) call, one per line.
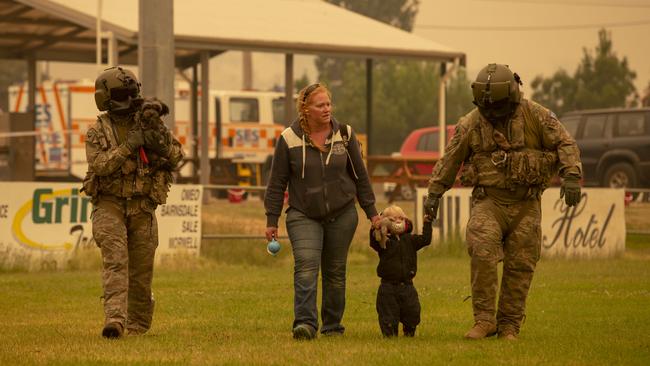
point(49, 211)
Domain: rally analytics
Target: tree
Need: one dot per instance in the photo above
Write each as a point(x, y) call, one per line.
point(459, 96)
point(398, 13)
point(603, 81)
point(556, 93)
point(301, 82)
point(600, 81)
point(645, 100)
point(405, 93)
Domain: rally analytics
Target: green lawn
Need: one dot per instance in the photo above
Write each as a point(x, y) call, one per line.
point(234, 306)
point(579, 313)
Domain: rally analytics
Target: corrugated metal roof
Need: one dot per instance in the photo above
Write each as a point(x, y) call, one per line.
point(293, 26)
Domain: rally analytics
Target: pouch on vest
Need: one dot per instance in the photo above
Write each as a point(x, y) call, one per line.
point(475, 140)
point(532, 167)
point(129, 166)
point(487, 140)
point(468, 175)
point(113, 184)
point(89, 185)
point(161, 180)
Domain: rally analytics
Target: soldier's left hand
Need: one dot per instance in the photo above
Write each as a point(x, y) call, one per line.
point(134, 139)
point(431, 205)
point(155, 141)
point(570, 190)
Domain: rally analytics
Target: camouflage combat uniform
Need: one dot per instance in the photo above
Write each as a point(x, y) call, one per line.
point(509, 167)
point(125, 193)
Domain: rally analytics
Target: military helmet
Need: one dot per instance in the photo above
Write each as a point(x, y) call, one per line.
point(496, 90)
point(116, 90)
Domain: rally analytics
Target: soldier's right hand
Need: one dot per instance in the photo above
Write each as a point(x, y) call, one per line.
point(570, 190)
point(134, 139)
point(155, 141)
point(431, 205)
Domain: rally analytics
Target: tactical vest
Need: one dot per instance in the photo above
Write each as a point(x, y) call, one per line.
point(133, 178)
point(508, 161)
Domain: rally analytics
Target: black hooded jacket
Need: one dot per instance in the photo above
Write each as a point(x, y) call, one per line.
point(399, 262)
point(321, 184)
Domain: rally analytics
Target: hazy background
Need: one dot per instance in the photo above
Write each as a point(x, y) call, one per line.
point(547, 35)
point(544, 36)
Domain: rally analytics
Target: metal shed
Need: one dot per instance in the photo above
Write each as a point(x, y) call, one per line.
point(66, 30)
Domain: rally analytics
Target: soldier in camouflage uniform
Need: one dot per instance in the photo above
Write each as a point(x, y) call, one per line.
point(131, 156)
point(509, 148)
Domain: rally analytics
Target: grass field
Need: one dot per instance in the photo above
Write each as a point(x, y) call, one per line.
point(234, 306)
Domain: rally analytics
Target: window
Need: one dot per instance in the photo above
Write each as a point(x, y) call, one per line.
point(631, 124)
point(571, 124)
point(594, 127)
point(428, 142)
point(244, 110)
point(278, 111)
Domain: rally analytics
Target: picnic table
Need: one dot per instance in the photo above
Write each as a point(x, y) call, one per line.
point(400, 170)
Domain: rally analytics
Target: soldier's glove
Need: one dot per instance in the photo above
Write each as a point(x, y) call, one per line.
point(155, 141)
point(134, 139)
point(431, 205)
point(570, 190)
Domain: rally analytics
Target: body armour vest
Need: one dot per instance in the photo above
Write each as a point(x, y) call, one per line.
point(133, 178)
point(508, 160)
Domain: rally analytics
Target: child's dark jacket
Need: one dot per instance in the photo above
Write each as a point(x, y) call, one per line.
point(398, 262)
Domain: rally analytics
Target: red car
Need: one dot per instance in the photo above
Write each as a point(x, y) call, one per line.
point(423, 143)
point(420, 143)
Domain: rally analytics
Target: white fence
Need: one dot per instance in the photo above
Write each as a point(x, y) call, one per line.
point(595, 228)
point(44, 225)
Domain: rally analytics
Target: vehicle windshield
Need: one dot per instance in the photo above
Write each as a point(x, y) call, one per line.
point(428, 142)
point(571, 124)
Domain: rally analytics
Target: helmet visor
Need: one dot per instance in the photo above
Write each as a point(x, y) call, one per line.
point(496, 112)
point(123, 93)
point(490, 93)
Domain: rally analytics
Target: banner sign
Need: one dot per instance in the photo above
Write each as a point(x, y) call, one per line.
point(179, 222)
point(595, 228)
point(45, 225)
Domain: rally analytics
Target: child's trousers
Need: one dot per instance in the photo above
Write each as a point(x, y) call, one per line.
point(398, 302)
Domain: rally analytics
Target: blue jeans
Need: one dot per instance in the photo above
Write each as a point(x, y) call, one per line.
point(320, 244)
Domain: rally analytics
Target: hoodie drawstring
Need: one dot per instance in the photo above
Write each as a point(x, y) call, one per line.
point(304, 153)
point(329, 155)
point(354, 171)
point(327, 161)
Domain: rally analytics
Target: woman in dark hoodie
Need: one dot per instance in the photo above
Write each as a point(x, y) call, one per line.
point(320, 160)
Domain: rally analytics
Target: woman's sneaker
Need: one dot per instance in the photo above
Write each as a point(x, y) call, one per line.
point(304, 332)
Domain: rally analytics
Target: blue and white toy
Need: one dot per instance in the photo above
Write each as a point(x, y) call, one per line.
point(273, 247)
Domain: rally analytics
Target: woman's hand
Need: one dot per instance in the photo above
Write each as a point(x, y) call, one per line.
point(375, 221)
point(271, 232)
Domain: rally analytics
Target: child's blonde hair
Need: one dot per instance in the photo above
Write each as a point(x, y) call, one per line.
point(393, 210)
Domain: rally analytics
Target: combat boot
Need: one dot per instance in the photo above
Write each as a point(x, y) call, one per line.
point(481, 329)
point(507, 334)
point(113, 330)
